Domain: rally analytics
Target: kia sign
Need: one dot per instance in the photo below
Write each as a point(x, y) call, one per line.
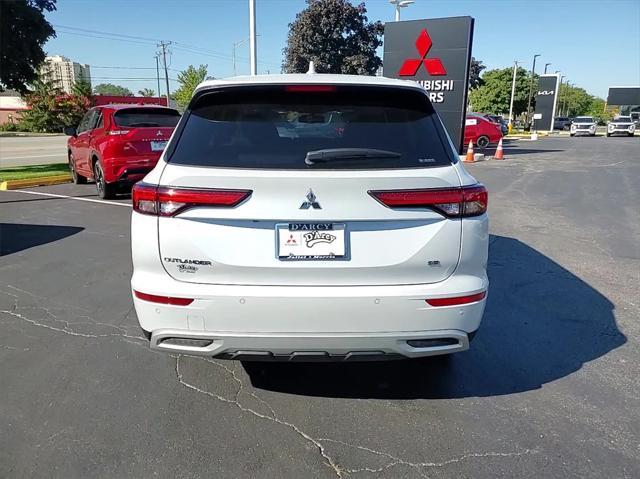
point(546, 100)
point(436, 53)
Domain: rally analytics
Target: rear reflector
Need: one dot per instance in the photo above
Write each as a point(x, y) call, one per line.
point(310, 88)
point(163, 299)
point(164, 201)
point(457, 300)
point(451, 202)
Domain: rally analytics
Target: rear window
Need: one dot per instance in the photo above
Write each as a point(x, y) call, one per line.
point(147, 117)
point(343, 127)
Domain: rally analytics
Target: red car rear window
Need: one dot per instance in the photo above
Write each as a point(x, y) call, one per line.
point(147, 117)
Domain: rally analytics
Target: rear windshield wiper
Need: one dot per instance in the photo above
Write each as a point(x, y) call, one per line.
point(338, 154)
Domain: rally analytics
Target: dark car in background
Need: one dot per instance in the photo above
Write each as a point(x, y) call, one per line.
point(118, 144)
point(562, 123)
point(498, 120)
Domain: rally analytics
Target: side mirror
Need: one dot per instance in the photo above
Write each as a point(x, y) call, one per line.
point(70, 131)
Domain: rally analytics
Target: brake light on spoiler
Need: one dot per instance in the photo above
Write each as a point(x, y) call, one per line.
point(167, 201)
point(451, 202)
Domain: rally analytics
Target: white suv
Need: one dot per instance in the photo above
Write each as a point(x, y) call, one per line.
point(309, 217)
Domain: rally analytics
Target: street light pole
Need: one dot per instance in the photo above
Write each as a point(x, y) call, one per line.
point(533, 72)
point(513, 92)
point(560, 94)
point(252, 37)
point(400, 4)
point(545, 67)
point(233, 53)
point(158, 75)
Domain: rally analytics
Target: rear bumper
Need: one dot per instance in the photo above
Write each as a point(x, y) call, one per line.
point(129, 170)
point(313, 347)
point(311, 323)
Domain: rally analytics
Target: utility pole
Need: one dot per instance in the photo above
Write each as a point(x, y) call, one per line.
point(164, 46)
point(513, 92)
point(545, 67)
point(158, 75)
point(533, 72)
point(252, 37)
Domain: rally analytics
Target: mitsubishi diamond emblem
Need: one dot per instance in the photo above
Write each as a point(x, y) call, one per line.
point(159, 133)
point(311, 202)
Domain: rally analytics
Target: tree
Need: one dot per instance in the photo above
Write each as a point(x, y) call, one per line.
point(189, 80)
point(495, 93)
point(575, 101)
point(41, 100)
point(51, 109)
point(336, 36)
point(23, 32)
point(475, 70)
point(147, 92)
point(111, 89)
point(82, 88)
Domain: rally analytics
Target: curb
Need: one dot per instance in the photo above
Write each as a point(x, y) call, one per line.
point(30, 182)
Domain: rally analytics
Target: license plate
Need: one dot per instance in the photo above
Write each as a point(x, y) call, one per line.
point(158, 145)
point(311, 241)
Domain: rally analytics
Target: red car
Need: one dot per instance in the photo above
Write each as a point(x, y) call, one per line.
point(118, 144)
point(481, 131)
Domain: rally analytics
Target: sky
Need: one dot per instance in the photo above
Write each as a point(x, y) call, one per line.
point(595, 44)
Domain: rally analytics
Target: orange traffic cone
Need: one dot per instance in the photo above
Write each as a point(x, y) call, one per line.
point(499, 153)
point(470, 157)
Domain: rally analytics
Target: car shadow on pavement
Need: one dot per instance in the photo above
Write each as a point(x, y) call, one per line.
point(15, 237)
point(541, 324)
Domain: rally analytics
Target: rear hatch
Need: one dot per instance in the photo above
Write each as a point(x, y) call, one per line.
point(143, 131)
point(309, 209)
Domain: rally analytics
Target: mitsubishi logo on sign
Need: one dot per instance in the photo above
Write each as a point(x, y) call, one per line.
point(436, 53)
point(433, 65)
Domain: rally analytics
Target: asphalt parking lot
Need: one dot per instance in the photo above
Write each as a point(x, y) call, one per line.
point(550, 387)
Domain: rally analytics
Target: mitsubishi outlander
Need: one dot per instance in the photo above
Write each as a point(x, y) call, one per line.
point(309, 217)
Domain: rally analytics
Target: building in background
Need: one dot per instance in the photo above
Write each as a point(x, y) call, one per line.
point(11, 106)
point(65, 72)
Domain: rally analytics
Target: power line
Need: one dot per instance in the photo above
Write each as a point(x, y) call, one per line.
point(104, 38)
point(153, 40)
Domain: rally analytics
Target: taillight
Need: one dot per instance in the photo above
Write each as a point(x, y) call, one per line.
point(451, 202)
point(166, 201)
point(455, 301)
point(163, 299)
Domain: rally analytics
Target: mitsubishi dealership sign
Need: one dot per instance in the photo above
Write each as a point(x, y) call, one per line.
point(436, 53)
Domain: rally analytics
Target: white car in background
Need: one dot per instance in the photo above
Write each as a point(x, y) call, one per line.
point(365, 242)
point(583, 125)
point(621, 125)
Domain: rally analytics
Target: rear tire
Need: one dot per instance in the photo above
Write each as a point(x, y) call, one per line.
point(572, 134)
point(482, 141)
point(105, 190)
point(77, 178)
point(608, 135)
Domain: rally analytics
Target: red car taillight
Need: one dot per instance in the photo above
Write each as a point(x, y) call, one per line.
point(166, 201)
point(451, 202)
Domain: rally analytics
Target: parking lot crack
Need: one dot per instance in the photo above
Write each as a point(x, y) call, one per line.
point(328, 460)
point(418, 466)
